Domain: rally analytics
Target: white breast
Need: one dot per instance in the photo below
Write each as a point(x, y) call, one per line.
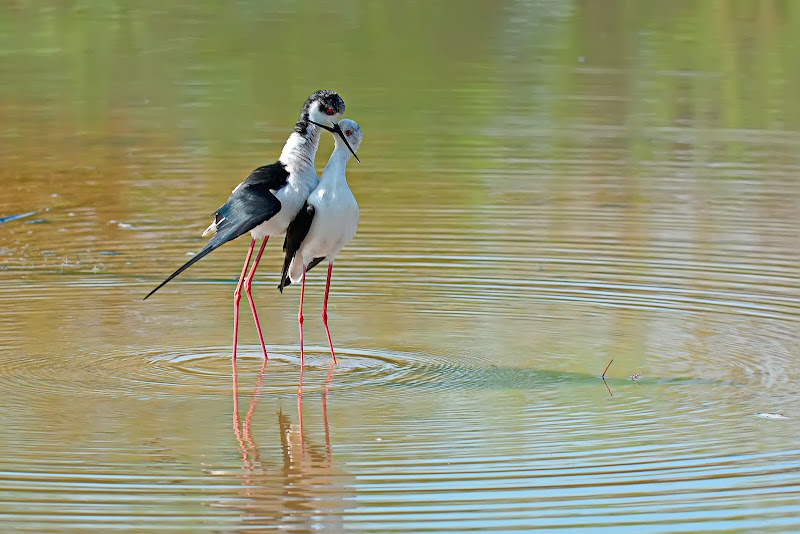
point(300, 184)
point(334, 225)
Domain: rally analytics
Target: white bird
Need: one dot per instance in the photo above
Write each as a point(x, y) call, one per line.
point(327, 223)
point(269, 198)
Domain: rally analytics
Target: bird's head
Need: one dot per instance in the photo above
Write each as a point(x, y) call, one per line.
point(342, 135)
point(350, 132)
point(325, 108)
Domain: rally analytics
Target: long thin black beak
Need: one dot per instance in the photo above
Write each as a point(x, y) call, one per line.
point(337, 130)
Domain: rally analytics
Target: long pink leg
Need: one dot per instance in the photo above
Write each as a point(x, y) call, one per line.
point(247, 283)
point(237, 296)
point(325, 311)
point(300, 318)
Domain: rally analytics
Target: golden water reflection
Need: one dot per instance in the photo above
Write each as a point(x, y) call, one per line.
point(311, 492)
point(546, 185)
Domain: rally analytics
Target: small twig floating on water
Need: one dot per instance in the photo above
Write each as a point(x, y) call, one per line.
point(632, 378)
point(606, 369)
point(603, 376)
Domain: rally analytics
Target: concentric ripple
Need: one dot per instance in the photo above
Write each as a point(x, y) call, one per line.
point(548, 189)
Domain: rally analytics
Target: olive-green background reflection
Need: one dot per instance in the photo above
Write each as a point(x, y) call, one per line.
point(544, 185)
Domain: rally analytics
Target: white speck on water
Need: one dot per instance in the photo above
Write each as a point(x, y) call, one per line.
point(772, 416)
point(126, 226)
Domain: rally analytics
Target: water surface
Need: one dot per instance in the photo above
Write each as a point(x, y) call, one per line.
point(545, 186)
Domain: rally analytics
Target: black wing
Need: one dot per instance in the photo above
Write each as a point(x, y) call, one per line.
point(252, 199)
point(271, 176)
point(295, 233)
point(251, 204)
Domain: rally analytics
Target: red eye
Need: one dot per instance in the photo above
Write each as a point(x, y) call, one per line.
point(329, 111)
point(348, 132)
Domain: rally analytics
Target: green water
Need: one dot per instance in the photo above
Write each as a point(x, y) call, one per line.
point(544, 186)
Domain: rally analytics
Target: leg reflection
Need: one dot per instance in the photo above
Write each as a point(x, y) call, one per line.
point(242, 430)
point(299, 487)
point(325, 411)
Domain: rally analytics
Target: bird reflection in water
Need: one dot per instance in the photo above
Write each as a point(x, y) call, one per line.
point(300, 488)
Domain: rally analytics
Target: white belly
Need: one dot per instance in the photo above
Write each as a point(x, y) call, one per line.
point(334, 225)
point(292, 197)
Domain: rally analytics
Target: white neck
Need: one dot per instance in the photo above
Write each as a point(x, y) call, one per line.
point(335, 169)
point(300, 150)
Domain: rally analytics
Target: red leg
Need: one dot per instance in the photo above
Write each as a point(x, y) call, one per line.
point(237, 296)
point(247, 283)
point(325, 310)
point(300, 318)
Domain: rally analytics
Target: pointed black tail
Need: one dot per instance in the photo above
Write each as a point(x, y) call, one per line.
point(295, 234)
point(287, 260)
point(286, 281)
point(213, 244)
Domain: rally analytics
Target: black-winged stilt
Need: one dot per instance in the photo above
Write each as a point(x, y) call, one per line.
point(325, 224)
point(269, 198)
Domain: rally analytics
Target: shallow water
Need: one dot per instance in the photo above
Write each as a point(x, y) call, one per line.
point(545, 186)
